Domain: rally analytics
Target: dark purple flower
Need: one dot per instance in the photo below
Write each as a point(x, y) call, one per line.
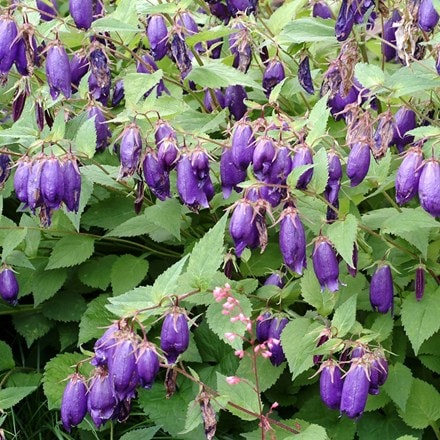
point(242, 227)
point(147, 362)
point(98, 9)
point(34, 198)
point(48, 9)
point(303, 156)
point(157, 34)
point(156, 177)
point(215, 47)
point(355, 390)
point(5, 168)
point(82, 13)
point(105, 346)
point(264, 154)
point(18, 104)
point(72, 183)
point(74, 402)
point(358, 163)
point(208, 101)
point(334, 167)
point(58, 71)
point(190, 27)
point(381, 289)
point(103, 133)
point(325, 264)
point(21, 179)
point(324, 336)
point(321, 10)
point(273, 75)
point(408, 174)
point(234, 100)
point(339, 101)
point(427, 17)
point(242, 144)
point(220, 10)
point(241, 6)
point(293, 240)
point(344, 21)
point(79, 66)
point(101, 402)
point(304, 75)
point(352, 270)
point(275, 279)
point(330, 384)
point(168, 152)
point(420, 282)
point(405, 120)
point(162, 131)
point(174, 335)
point(130, 151)
point(239, 45)
point(389, 36)
point(118, 93)
point(8, 46)
point(263, 326)
point(8, 286)
point(39, 115)
point(378, 371)
point(230, 175)
point(274, 340)
point(429, 194)
point(26, 51)
point(52, 183)
point(148, 66)
point(180, 53)
point(100, 77)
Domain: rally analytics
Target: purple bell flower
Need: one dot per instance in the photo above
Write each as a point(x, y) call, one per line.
point(378, 371)
point(8, 286)
point(263, 326)
point(427, 17)
point(156, 177)
point(292, 240)
point(264, 154)
point(274, 340)
point(103, 133)
point(240, 47)
point(21, 179)
point(408, 174)
point(39, 115)
point(168, 153)
point(344, 21)
point(381, 289)
point(130, 151)
point(174, 335)
point(275, 279)
point(180, 53)
point(147, 363)
point(325, 264)
point(74, 402)
point(405, 120)
point(272, 76)
point(420, 282)
point(8, 46)
point(118, 93)
point(234, 100)
point(190, 27)
point(358, 163)
point(303, 156)
point(219, 10)
point(304, 75)
point(230, 175)
point(79, 66)
point(82, 13)
point(330, 384)
point(157, 34)
point(100, 77)
point(242, 144)
point(18, 103)
point(389, 35)
point(52, 183)
point(163, 130)
point(72, 183)
point(5, 168)
point(58, 71)
point(48, 9)
point(429, 183)
point(105, 346)
point(321, 10)
point(241, 6)
point(26, 51)
point(34, 197)
point(208, 102)
point(242, 227)
point(215, 47)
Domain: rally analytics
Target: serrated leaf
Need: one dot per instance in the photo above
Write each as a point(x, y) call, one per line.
point(46, 283)
point(144, 433)
point(65, 307)
point(431, 362)
point(369, 75)
point(284, 15)
point(297, 172)
point(6, 357)
point(298, 341)
point(137, 84)
point(317, 121)
point(220, 323)
point(70, 251)
point(85, 139)
point(320, 172)
point(139, 225)
point(12, 395)
point(58, 128)
point(127, 272)
point(345, 316)
point(31, 327)
point(420, 318)
point(96, 273)
point(342, 233)
point(423, 405)
point(207, 255)
point(424, 132)
point(304, 30)
point(55, 373)
point(409, 81)
point(12, 240)
point(383, 326)
point(312, 432)
point(242, 394)
point(166, 215)
point(398, 384)
point(193, 417)
point(129, 303)
point(111, 24)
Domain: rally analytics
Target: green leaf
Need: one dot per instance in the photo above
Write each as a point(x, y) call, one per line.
point(298, 341)
point(46, 283)
point(420, 318)
point(342, 234)
point(12, 395)
point(408, 81)
point(6, 357)
point(369, 75)
point(423, 405)
point(129, 303)
point(307, 30)
point(31, 327)
point(12, 240)
point(215, 74)
point(85, 139)
point(424, 132)
point(345, 316)
point(94, 320)
point(65, 307)
point(166, 215)
point(127, 272)
point(320, 172)
point(284, 15)
point(398, 384)
point(133, 227)
point(96, 273)
point(144, 433)
point(56, 372)
point(58, 128)
point(136, 84)
point(70, 251)
point(383, 326)
point(317, 121)
point(241, 394)
point(207, 255)
point(110, 24)
point(193, 417)
point(312, 432)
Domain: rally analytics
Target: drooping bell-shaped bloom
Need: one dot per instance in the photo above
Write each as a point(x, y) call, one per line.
point(408, 174)
point(264, 154)
point(101, 402)
point(219, 10)
point(72, 183)
point(303, 156)
point(209, 102)
point(381, 289)
point(273, 75)
point(180, 53)
point(156, 177)
point(275, 279)
point(100, 77)
point(355, 390)
point(389, 36)
point(378, 371)
point(429, 187)
point(5, 168)
point(130, 150)
point(74, 402)
point(48, 9)
point(21, 179)
point(147, 363)
point(358, 163)
point(9, 288)
point(241, 6)
point(330, 384)
point(292, 240)
point(321, 9)
point(105, 346)
point(323, 337)
point(239, 44)
point(79, 66)
point(168, 153)
point(34, 198)
point(18, 104)
point(234, 100)
point(405, 120)
point(274, 340)
point(118, 93)
point(325, 264)
point(52, 183)
point(189, 27)
point(162, 131)
point(242, 144)
point(8, 46)
point(242, 227)
point(427, 17)
point(174, 335)
point(103, 133)
point(26, 51)
point(58, 71)
point(304, 75)
point(157, 34)
point(82, 13)
point(230, 175)
point(263, 326)
point(344, 21)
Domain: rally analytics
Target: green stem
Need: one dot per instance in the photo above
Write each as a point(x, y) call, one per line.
point(436, 430)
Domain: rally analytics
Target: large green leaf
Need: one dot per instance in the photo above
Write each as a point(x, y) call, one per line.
point(127, 272)
point(342, 233)
point(345, 316)
point(12, 395)
point(70, 251)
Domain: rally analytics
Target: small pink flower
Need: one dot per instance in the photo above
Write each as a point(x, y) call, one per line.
point(266, 354)
point(233, 380)
point(230, 336)
point(275, 405)
point(239, 353)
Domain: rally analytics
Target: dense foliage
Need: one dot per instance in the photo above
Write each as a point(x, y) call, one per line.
point(218, 219)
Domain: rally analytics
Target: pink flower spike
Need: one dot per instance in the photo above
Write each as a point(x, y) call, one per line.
point(233, 380)
point(234, 319)
point(230, 336)
point(225, 312)
point(275, 405)
point(239, 353)
point(266, 354)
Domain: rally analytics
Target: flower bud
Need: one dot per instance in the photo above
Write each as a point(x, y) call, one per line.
point(101, 402)
point(230, 175)
point(330, 384)
point(344, 21)
point(381, 289)
point(321, 10)
point(427, 17)
point(74, 402)
point(325, 264)
point(103, 133)
point(408, 174)
point(243, 144)
point(58, 71)
point(118, 93)
point(420, 282)
point(8, 286)
point(263, 326)
point(82, 13)
point(168, 153)
point(239, 6)
point(52, 183)
point(105, 346)
point(163, 130)
point(389, 36)
point(157, 34)
point(34, 183)
point(79, 66)
point(275, 279)
point(5, 168)
point(130, 151)
point(429, 194)
point(358, 163)
point(48, 9)
point(21, 179)
point(8, 46)
point(156, 177)
point(274, 340)
point(219, 10)
point(303, 156)
point(264, 154)
point(242, 227)
point(147, 364)
point(72, 183)
point(39, 115)
point(234, 100)
point(174, 336)
point(304, 75)
point(378, 371)
point(405, 120)
point(272, 76)
point(355, 390)
point(293, 240)
point(26, 51)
